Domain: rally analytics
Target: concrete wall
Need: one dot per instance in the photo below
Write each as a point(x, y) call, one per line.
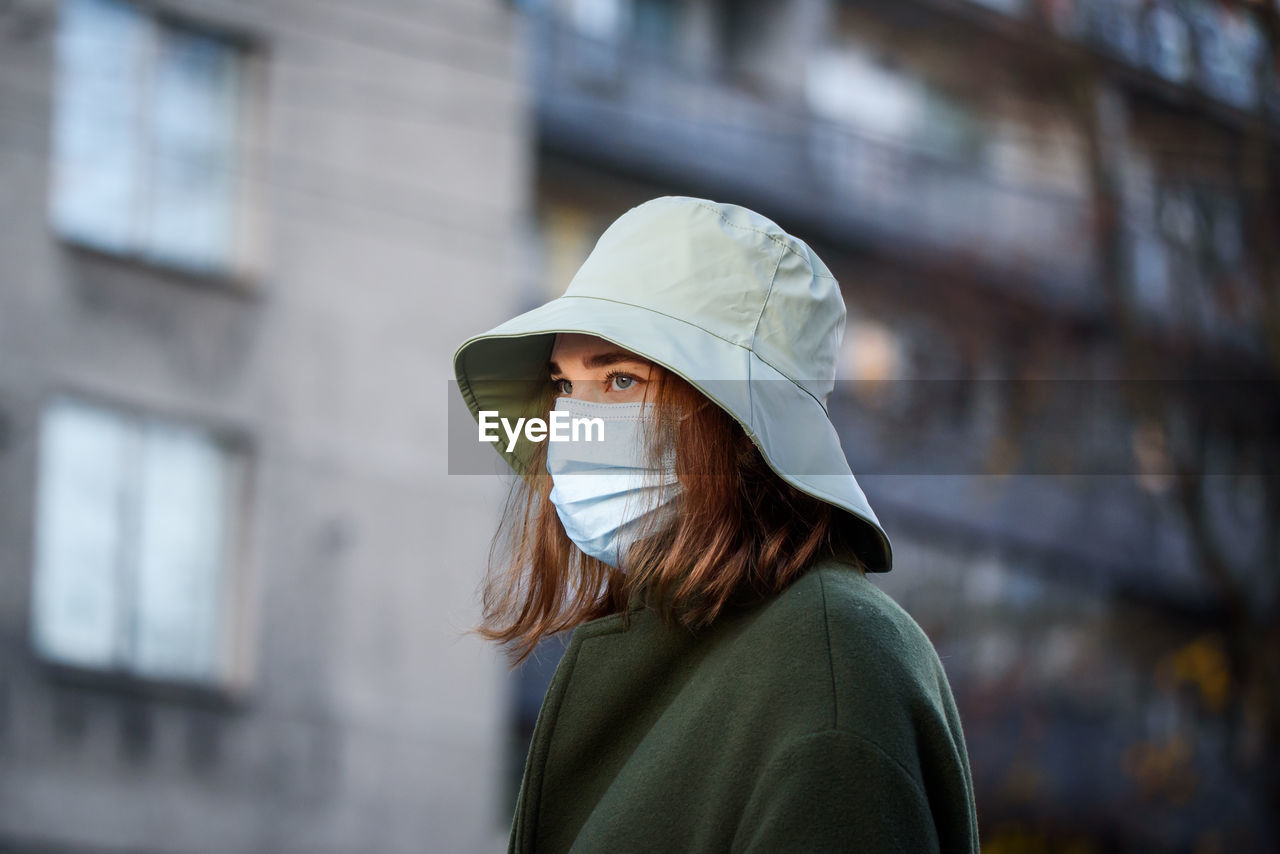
point(388, 183)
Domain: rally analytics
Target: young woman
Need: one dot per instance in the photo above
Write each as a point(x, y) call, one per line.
point(733, 682)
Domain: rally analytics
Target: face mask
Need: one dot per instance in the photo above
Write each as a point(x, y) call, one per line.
point(607, 493)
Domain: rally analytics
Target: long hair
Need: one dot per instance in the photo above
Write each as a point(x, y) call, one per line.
point(739, 534)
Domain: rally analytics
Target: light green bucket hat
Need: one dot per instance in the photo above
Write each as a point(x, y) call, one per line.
point(722, 297)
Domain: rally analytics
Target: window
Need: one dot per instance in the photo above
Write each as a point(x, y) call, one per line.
point(1229, 45)
point(850, 85)
point(146, 137)
point(135, 544)
point(847, 83)
point(1168, 43)
point(606, 20)
point(656, 24)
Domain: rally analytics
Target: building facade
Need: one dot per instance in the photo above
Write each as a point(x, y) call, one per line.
point(240, 243)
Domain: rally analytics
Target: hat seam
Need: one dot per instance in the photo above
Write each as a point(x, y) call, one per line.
point(646, 308)
point(808, 263)
point(764, 305)
point(715, 335)
point(784, 244)
point(755, 330)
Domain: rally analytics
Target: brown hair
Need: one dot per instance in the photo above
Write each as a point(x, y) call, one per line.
point(740, 534)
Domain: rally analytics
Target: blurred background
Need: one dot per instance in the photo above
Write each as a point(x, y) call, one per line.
point(240, 241)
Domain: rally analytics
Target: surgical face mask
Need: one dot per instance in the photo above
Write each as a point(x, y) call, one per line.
point(609, 493)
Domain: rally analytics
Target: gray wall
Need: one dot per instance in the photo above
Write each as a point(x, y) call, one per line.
point(388, 186)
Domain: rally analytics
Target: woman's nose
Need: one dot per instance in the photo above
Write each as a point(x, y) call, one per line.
point(588, 391)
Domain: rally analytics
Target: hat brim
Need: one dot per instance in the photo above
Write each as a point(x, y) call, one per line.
point(501, 369)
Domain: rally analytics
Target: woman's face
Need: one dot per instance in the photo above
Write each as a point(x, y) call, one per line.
point(585, 367)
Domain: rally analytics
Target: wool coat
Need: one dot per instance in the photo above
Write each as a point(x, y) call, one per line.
point(819, 720)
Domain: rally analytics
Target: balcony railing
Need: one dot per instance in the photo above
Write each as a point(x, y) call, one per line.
point(620, 103)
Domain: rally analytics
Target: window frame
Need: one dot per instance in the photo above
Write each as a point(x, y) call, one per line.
point(234, 675)
point(242, 268)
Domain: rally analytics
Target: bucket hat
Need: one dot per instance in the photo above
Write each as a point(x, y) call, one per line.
point(724, 298)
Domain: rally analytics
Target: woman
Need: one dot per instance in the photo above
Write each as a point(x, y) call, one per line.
point(733, 682)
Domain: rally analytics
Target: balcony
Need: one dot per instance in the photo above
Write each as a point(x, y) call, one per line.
point(630, 108)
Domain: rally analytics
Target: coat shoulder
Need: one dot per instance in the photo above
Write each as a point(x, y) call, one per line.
point(866, 621)
point(880, 664)
point(858, 619)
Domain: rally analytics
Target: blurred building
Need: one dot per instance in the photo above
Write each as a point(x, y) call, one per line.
point(240, 243)
point(1016, 196)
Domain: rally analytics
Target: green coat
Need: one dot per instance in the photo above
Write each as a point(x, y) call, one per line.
point(820, 720)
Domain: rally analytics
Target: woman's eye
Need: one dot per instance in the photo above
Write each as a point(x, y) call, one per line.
point(622, 382)
point(562, 386)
